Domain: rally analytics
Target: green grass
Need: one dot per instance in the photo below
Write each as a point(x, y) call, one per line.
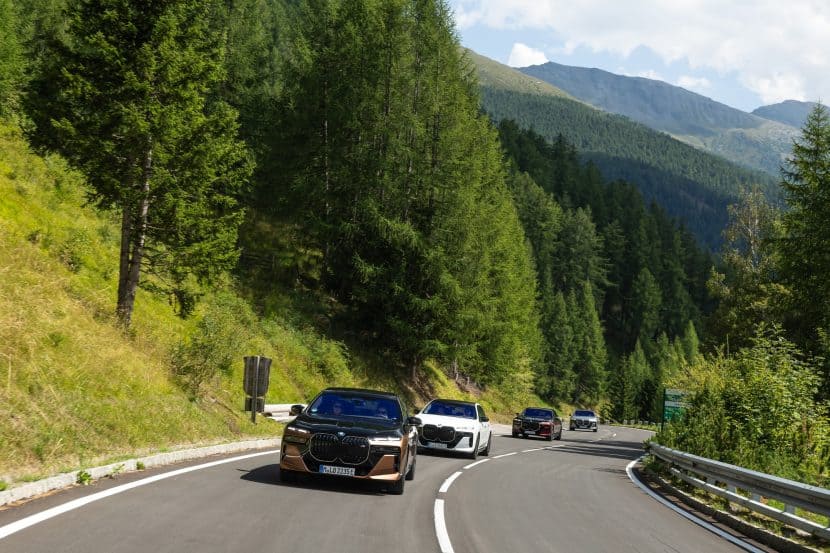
point(76, 392)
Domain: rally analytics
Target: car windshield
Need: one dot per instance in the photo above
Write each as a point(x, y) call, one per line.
point(355, 405)
point(584, 414)
point(539, 413)
point(450, 409)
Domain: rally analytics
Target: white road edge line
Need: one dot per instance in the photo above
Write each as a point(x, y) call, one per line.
point(22, 524)
point(536, 449)
point(714, 529)
point(471, 465)
point(448, 482)
point(441, 528)
point(505, 455)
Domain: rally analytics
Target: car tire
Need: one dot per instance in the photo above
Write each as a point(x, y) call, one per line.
point(486, 451)
point(595, 429)
point(571, 428)
point(410, 475)
point(287, 476)
point(559, 435)
point(515, 434)
point(474, 453)
point(397, 487)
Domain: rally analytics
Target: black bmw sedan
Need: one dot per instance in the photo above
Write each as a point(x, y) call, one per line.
point(353, 433)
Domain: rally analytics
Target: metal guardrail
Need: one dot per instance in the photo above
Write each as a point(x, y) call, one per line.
point(749, 488)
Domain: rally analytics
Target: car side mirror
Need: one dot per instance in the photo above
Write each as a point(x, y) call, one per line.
point(295, 410)
point(484, 419)
point(518, 415)
point(413, 421)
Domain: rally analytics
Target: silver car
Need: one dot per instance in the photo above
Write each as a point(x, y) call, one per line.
point(584, 420)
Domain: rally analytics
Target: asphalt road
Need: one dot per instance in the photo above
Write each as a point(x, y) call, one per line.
point(571, 495)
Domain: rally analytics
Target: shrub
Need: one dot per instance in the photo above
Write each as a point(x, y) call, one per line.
point(756, 409)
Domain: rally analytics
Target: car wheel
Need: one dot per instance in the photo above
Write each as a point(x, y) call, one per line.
point(397, 487)
point(571, 428)
point(287, 476)
point(515, 434)
point(411, 474)
point(595, 429)
point(559, 435)
point(486, 451)
point(474, 453)
point(549, 437)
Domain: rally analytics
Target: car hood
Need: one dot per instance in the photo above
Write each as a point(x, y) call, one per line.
point(354, 426)
point(443, 420)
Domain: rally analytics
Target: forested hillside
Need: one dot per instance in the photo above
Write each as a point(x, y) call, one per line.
point(689, 184)
point(317, 181)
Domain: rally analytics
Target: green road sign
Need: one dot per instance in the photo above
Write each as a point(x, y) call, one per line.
point(674, 403)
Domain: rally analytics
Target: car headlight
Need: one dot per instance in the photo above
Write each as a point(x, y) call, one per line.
point(295, 439)
point(391, 438)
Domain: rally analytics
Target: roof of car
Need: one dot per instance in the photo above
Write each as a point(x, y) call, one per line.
point(540, 408)
point(362, 391)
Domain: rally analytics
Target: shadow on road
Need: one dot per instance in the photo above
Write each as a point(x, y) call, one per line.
point(269, 474)
point(608, 449)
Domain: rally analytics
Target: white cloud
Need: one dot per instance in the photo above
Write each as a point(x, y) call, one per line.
point(523, 55)
point(776, 49)
point(693, 83)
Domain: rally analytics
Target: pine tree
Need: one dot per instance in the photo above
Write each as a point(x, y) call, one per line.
point(141, 117)
point(591, 354)
point(12, 61)
point(805, 250)
point(646, 303)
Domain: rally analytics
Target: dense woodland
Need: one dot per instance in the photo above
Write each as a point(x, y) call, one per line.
point(690, 184)
point(338, 151)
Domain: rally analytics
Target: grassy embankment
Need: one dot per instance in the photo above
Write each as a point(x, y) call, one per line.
point(76, 392)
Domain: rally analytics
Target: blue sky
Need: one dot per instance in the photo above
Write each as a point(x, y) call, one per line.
point(743, 53)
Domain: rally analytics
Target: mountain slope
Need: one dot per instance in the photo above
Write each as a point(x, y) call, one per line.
point(741, 137)
point(789, 112)
point(690, 184)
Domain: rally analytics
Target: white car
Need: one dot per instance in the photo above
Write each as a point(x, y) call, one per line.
point(451, 425)
point(584, 420)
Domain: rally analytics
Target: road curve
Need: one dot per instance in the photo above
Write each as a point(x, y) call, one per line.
point(571, 495)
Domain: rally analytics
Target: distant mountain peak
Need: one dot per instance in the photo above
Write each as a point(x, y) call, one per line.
point(745, 138)
point(789, 112)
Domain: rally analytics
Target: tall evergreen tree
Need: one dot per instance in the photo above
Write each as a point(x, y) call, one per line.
point(401, 185)
point(12, 61)
point(591, 355)
point(141, 117)
point(805, 250)
point(646, 303)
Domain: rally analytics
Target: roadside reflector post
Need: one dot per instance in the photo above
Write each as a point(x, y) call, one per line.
point(255, 382)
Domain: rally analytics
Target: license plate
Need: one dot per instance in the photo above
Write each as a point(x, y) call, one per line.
point(530, 432)
point(439, 445)
point(339, 471)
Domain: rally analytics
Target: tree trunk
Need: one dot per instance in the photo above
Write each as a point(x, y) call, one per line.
point(132, 247)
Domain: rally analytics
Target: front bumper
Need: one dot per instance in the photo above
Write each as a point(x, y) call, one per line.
point(383, 462)
point(583, 424)
point(462, 442)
